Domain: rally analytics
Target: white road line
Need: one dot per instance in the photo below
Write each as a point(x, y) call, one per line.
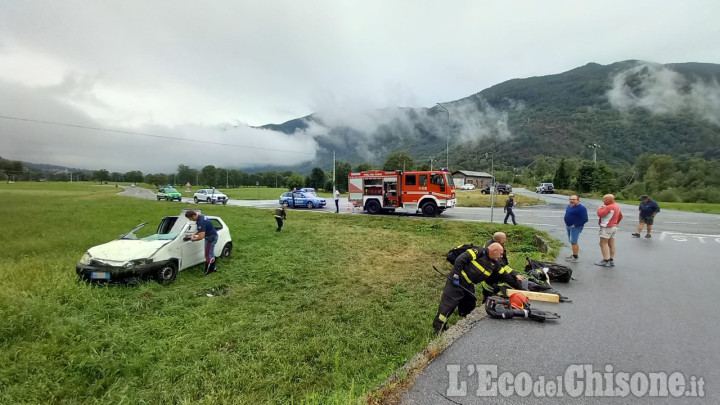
point(684, 223)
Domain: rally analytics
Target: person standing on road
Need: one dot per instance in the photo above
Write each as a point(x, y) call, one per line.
point(205, 230)
point(509, 204)
point(337, 201)
point(280, 214)
point(575, 218)
point(609, 217)
point(648, 209)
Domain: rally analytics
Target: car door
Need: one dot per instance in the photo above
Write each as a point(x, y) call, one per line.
point(192, 252)
point(300, 199)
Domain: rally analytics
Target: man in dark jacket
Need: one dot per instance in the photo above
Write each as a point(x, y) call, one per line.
point(280, 214)
point(509, 204)
point(648, 209)
point(576, 217)
point(474, 266)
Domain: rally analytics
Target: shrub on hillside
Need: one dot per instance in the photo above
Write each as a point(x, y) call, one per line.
point(669, 195)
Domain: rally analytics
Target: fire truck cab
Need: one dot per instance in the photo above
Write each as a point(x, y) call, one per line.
point(379, 191)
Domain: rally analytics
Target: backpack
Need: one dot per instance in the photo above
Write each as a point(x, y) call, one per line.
point(556, 272)
point(453, 254)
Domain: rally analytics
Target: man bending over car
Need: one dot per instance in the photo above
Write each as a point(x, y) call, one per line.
point(205, 230)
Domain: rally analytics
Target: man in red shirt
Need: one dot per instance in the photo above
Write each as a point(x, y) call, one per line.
point(610, 217)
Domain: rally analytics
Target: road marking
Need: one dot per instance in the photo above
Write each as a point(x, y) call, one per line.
point(685, 237)
point(684, 223)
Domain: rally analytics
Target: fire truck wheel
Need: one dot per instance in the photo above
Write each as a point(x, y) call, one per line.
point(430, 209)
point(372, 207)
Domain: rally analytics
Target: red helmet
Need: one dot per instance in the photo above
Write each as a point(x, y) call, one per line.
point(519, 301)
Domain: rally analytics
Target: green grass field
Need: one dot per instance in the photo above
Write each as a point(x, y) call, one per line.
point(319, 313)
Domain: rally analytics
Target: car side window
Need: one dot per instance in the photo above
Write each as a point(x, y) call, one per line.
point(216, 224)
point(410, 180)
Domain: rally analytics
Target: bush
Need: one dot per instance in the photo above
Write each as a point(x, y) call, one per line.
point(669, 195)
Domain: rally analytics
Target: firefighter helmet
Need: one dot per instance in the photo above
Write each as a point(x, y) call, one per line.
point(519, 301)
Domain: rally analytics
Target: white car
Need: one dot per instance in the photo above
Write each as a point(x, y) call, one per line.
point(159, 255)
point(467, 186)
point(210, 196)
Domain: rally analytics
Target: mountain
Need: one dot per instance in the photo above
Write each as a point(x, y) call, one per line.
point(627, 108)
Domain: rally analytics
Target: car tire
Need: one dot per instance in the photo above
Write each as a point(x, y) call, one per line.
point(285, 204)
point(195, 199)
point(167, 273)
point(226, 251)
point(159, 198)
point(429, 209)
point(209, 201)
point(225, 202)
point(372, 207)
point(309, 204)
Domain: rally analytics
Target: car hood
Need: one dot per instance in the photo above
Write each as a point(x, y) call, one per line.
point(124, 250)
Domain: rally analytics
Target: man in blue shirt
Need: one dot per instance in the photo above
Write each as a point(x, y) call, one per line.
point(648, 209)
point(205, 230)
point(575, 218)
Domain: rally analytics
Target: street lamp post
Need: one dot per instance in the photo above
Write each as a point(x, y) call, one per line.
point(492, 185)
point(447, 142)
point(594, 147)
point(432, 159)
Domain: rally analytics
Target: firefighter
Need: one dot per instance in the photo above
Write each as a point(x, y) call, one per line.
point(506, 275)
point(477, 264)
point(280, 214)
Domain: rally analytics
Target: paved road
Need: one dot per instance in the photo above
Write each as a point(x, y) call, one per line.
point(653, 312)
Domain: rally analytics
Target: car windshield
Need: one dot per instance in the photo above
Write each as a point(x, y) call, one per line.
point(141, 232)
point(170, 190)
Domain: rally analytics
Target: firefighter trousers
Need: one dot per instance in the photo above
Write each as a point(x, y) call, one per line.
point(454, 297)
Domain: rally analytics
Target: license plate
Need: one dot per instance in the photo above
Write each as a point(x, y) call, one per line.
point(100, 275)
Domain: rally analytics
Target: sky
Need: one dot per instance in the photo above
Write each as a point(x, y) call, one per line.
point(148, 85)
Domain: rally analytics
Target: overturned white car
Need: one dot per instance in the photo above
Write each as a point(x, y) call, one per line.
point(159, 255)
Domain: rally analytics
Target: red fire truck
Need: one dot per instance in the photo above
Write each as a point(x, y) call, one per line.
point(378, 191)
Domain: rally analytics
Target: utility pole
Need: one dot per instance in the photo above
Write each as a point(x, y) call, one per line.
point(492, 185)
point(594, 147)
point(447, 142)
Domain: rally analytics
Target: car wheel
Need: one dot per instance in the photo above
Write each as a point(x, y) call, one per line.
point(372, 207)
point(195, 199)
point(430, 209)
point(209, 201)
point(159, 198)
point(285, 204)
point(227, 250)
point(167, 273)
point(225, 202)
point(309, 204)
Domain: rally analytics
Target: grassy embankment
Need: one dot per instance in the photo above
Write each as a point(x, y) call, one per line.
point(319, 313)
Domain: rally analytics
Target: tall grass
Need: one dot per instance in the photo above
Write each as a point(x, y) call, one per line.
point(318, 313)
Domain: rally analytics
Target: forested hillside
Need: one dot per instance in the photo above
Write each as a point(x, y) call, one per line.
point(627, 108)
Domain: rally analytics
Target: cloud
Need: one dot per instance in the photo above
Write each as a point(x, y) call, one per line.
point(662, 91)
point(59, 132)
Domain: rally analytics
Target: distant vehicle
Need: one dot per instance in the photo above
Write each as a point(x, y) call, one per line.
point(467, 186)
point(306, 199)
point(210, 196)
point(159, 255)
point(168, 193)
point(501, 188)
point(545, 188)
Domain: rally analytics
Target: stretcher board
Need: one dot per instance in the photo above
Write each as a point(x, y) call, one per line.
point(535, 296)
